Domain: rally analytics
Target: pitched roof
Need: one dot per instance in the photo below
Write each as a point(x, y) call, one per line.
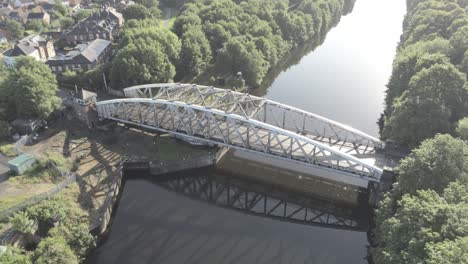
point(21, 159)
point(27, 45)
point(82, 53)
point(37, 15)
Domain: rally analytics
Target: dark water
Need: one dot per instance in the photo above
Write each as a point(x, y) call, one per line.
point(156, 224)
point(343, 79)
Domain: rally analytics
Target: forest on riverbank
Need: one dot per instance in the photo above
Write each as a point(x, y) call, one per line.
point(424, 218)
point(221, 38)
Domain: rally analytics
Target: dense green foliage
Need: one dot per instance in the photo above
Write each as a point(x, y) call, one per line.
point(233, 36)
point(54, 250)
point(428, 92)
point(462, 128)
point(139, 11)
point(13, 256)
point(29, 90)
point(147, 54)
point(15, 28)
point(425, 218)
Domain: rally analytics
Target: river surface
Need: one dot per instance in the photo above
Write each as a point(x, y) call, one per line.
point(343, 79)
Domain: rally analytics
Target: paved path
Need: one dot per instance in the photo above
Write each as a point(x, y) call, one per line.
point(167, 11)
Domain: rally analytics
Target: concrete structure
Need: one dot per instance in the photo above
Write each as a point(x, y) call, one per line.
point(83, 57)
point(236, 120)
point(22, 163)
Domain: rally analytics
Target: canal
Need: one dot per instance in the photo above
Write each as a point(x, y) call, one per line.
point(343, 79)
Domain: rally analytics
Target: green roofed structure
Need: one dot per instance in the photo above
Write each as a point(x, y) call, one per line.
point(22, 163)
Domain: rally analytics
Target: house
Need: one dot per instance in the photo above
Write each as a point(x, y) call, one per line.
point(42, 16)
point(22, 163)
point(83, 57)
point(18, 16)
point(35, 46)
point(103, 24)
point(5, 9)
point(22, 3)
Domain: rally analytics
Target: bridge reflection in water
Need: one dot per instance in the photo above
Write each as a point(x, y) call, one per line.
point(257, 199)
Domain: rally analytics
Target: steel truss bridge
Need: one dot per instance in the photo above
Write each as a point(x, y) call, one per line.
point(256, 199)
point(242, 121)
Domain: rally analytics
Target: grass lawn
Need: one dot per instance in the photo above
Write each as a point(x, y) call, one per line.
point(7, 149)
point(174, 13)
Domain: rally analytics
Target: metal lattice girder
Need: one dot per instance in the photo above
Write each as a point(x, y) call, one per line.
point(319, 128)
point(215, 126)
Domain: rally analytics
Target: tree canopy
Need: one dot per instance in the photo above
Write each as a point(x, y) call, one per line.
point(430, 66)
point(29, 89)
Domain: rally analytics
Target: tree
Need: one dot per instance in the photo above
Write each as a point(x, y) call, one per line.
point(148, 3)
point(47, 213)
point(195, 53)
point(449, 251)
point(30, 89)
point(242, 56)
point(54, 250)
point(77, 236)
point(36, 26)
point(66, 22)
point(420, 229)
point(433, 165)
point(4, 130)
point(459, 42)
point(462, 128)
point(141, 63)
point(13, 255)
point(22, 222)
point(136, 11)
point(15, 28)
point(82, 14)
point(414, 120)
point(60, 9)
point(442, 82)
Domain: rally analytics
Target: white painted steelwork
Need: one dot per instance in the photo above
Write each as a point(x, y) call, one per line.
point(245, 122)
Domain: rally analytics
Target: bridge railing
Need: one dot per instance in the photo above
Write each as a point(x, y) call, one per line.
point(231, 130)
point(270, 112)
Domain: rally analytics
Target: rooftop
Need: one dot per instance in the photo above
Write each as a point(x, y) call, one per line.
point(21, 159)
point(90, 50)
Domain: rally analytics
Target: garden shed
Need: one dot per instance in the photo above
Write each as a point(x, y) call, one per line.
point(22, 163)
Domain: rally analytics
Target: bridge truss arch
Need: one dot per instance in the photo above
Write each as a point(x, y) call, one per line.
point(236, 128)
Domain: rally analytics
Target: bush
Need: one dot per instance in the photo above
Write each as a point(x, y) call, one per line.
point(47, 213)
point(54, 250)
point(14, 256)
point(8, 150)
point(462, 128)
point(23, 223)
point(77, 236)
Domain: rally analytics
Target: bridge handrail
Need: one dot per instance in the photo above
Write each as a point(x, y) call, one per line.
point(376, 142)
point(258, 123)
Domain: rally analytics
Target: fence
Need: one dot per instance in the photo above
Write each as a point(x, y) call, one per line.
point(26, 139)
point(40, 197)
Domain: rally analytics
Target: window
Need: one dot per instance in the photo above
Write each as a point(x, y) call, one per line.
point(91, 36)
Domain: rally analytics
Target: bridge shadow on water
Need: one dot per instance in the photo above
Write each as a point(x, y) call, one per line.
point(225, 190)
point(209, 216)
